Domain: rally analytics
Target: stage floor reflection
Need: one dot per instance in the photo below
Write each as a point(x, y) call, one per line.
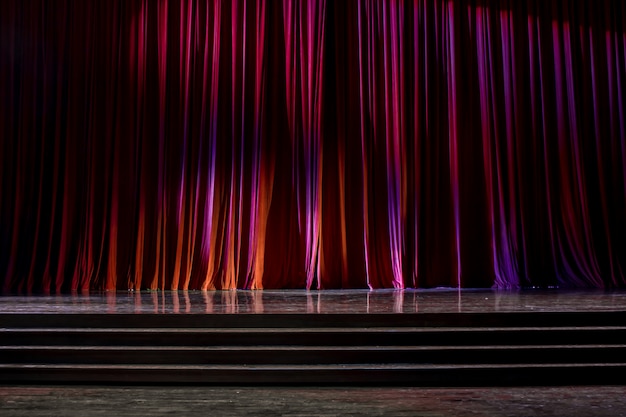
point(317, 302)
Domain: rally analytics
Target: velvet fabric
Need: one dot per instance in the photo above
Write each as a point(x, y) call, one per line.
point(207, 144)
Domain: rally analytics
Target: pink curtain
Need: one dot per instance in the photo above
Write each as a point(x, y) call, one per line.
point(207, 144)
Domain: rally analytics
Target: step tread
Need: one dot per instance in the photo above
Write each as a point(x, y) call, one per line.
point(389, 329)
point(290, 367)
point(307, 347)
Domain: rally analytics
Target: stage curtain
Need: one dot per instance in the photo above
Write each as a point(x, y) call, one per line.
point(207, 144)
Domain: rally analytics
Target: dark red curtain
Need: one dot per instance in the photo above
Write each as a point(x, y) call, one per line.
point(206, 144)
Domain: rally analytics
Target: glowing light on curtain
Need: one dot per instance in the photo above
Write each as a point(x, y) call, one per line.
point(220, 144)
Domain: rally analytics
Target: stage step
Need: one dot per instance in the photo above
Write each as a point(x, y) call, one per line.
point(379, 336)
point(285, 355)
point(323, 349)
point(319, 375)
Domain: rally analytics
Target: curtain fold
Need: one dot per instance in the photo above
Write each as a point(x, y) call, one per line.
point(223, 144)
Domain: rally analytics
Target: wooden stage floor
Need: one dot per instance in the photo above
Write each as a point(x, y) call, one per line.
point(444, 300)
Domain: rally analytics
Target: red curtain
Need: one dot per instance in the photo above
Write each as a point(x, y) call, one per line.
point(207, 144)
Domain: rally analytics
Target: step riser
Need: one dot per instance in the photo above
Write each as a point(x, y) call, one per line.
point(606, 375)
point(350, 338)
point(312, 357)
point(177, 321)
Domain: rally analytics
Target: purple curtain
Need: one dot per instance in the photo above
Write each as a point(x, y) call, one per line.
point(207, 144)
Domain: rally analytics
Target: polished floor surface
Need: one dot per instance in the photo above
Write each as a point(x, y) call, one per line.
point(323, 302)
